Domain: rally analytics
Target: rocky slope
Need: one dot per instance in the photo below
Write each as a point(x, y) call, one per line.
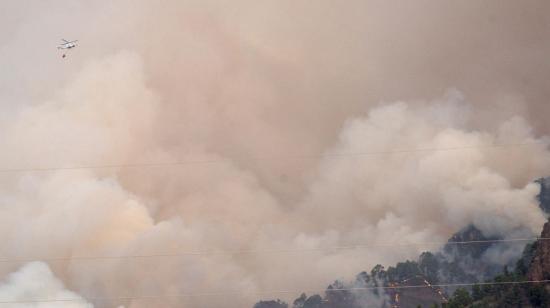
point(539, 268)
point(455, 263)
point(534, 265)
point(544, 195)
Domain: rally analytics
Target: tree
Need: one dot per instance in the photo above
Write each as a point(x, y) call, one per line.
point(362, 278)
point(315, 301)
point(512, 298)
point(378, 272)
point(429, 265)
point(403, 270)
point(538, 296)
point(271, 304)
point(299, 302)
point(477, 293)
point(461, 298)
point(338, 297)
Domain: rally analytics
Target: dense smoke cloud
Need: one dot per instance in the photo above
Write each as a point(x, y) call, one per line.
point(273, 103)
point(35, 281)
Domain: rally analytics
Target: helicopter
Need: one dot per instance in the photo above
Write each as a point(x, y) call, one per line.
point(67, 45)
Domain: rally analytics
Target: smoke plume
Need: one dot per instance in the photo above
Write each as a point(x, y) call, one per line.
point(35, 281)
point(279, 128)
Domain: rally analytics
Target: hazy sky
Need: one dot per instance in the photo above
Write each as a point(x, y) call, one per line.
point(276, 94)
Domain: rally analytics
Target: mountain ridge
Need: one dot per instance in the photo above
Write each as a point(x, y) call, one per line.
point(455, 264)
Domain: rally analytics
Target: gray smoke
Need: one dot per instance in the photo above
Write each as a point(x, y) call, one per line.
point(279, 98)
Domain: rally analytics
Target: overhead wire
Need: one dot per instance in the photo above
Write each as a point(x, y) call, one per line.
point(299, 157)
point(263, 251)
point(231, 252)
point(271, 292)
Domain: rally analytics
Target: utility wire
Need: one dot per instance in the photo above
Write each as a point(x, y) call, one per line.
point(298, 157)
point(262, 251)
point(225, 293)
point(231, 252)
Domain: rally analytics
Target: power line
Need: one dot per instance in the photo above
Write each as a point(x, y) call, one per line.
point(261, 251)
point(225, 293)
point(299, 157)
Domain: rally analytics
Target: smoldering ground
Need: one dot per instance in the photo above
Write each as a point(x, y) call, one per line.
point(266, 105)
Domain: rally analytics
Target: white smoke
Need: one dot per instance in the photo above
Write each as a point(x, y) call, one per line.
point(35, 281)
point(468, 181)
point(286, 152)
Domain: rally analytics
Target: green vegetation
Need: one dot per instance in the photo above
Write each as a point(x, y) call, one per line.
point(271, 304)
point(456, 264)
point(504, 294)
